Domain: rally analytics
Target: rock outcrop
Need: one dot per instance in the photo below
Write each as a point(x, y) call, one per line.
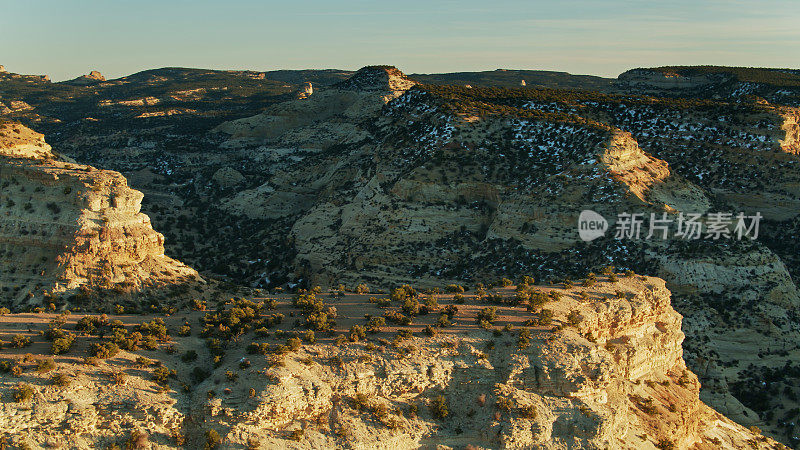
point(327, 118)
point(93, 77)
point(615, 381)
point(606, 373)
point(65, 226)
point(306, 90)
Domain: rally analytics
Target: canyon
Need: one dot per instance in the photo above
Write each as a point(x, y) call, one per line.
point(260, 180)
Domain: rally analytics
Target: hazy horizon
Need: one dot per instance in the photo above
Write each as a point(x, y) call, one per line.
point(579, 36)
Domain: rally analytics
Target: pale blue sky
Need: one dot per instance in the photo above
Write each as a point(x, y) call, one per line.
point(68, 38)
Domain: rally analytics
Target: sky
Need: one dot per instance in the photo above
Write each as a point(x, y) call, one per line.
point(64, 39)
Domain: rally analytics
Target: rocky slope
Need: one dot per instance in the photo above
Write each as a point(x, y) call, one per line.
point(781, 86)
point(460, 183)
point(376, 180)
point(606, 373)
point(626, 386)
point(65, 226)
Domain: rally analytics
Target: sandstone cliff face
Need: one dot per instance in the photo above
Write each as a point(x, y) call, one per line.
point(650, 179)
point(65, 226)
point(342, 106)
point(738, 308)
point(617, 381)
point(790, 142)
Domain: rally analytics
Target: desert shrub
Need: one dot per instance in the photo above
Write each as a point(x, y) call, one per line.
point(185, 330)
point(141, 361)
point(360, 402)
point(199, 374)
point(402, 293)
point(526, 280)
point(308, 302)
point(404, 333)
point(63, 344)
point(294, 344)
point(357, 332)
point(538, 298)
point(684, 379)
point(309, 337)
point(411, 306)
point(528, 412)
point(454, 288)
point(231, 376)
point(613, 278)
point(645, 404)
point(213, 439)
point(60, 379)
point(443, 321)
point(574, 318)
point(545, 317)
point(431, 304)
point(189, 356)
point(458, 298)
point(262, 332)
point(45, 365)
point(439, 407)
point(524, 339)
point(322, 321)
point(362, 289)
point(104, 350)
point(4, 311)
point(665, 444)
point(590, 280)
point(503, 403)
point(20, 341)
point(488, 314)
point(155, 328)
point(430, 331)
point(161, 374)
point(505, 282)
point(450, 311)
point(375, 324)
point(92, 324)
point(198, 305)
point(256, 348)
point(396, 317)
point(23, 392)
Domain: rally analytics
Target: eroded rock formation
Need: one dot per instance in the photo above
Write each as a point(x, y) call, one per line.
point(65, 226)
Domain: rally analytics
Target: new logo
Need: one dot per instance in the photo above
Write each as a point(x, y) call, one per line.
point(591, 225)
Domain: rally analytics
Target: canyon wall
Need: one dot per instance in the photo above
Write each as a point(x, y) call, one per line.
point(66, 226)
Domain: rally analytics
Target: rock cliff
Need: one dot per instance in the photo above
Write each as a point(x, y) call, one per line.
point(65, 226)
point(617, 380)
